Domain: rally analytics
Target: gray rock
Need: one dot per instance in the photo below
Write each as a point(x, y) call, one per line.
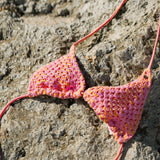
point(19, 2)
point(30, 7)
point(43, 8)
point(61, 1)
point(63, 12)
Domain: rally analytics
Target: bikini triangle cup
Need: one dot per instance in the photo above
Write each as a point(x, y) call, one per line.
point(119, 106)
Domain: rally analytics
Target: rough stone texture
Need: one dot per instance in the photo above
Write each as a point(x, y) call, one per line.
point(33, 33)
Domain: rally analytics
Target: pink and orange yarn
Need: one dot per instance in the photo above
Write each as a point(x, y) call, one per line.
point(61, 78)
point(121, 106)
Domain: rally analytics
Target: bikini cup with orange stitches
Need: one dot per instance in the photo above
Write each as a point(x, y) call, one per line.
point(61, 78)
point(120, 106)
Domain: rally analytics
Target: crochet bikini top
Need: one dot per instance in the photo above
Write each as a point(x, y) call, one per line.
point(118, 106)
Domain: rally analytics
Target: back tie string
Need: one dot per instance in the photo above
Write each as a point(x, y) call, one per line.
point(13, 100)
point(119, 153)
point(155, 46)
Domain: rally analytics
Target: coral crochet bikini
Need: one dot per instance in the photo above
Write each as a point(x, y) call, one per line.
point(120, 107)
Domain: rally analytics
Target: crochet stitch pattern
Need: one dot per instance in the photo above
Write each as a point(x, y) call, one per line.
point(61, 78)
point(120, 106)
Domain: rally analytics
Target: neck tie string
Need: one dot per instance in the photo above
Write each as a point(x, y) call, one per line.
point(155, 46)
point(102, 25)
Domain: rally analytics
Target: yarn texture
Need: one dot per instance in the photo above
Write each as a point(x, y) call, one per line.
point(61, 78)
point(120, 106)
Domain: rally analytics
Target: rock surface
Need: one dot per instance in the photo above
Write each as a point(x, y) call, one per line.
point(33, 33)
